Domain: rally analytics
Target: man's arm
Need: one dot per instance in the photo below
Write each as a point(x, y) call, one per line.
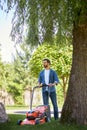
point(56, 80)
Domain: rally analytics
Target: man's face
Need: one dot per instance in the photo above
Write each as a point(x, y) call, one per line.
point(45, 64)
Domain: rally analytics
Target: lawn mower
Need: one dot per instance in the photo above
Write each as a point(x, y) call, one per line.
point(39, 115)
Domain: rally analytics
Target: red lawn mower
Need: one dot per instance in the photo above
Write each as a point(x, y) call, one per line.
point(39, 115)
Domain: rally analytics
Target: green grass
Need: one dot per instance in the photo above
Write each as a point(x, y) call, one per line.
point(53, 125)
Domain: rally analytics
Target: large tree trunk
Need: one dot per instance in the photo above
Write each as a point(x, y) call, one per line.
point(75, 106)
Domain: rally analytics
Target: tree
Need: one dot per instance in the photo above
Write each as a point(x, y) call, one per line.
point(46, 19)
point(74, 109)
point(22, 78)
point(6, 78)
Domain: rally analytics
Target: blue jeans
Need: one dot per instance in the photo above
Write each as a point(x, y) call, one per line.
point(52, 96)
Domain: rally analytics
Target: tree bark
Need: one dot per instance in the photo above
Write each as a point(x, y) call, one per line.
point(65, 80)
point(75, 106)
point(3, 115)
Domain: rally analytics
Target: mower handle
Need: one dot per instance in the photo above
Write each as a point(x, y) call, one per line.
point(43, 85)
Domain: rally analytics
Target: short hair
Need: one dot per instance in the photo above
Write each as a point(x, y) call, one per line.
point(46, 59)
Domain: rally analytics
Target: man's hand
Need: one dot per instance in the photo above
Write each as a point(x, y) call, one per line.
point(51, 84)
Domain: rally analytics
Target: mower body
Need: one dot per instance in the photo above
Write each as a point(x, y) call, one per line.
point(39, 115)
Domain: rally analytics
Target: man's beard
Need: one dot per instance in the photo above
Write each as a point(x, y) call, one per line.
point(45, 66)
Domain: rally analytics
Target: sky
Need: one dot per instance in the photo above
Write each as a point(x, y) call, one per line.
point(6, 44)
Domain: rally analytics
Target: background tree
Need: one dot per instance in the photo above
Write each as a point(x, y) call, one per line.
point(15, 77)
point(49, 19)
point(22, 78)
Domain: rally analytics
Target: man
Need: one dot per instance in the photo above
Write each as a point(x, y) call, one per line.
point(48, 79)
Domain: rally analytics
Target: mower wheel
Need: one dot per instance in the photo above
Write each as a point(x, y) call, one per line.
point(47, 119)
point(19, 122)
point(37, 121)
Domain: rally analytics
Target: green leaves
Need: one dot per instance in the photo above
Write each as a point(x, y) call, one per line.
point(60, 59)
point(45, 19)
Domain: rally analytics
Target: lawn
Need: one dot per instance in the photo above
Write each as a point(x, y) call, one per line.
point(53, 125)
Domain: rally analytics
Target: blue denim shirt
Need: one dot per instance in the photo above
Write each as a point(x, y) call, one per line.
point(52, 78)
